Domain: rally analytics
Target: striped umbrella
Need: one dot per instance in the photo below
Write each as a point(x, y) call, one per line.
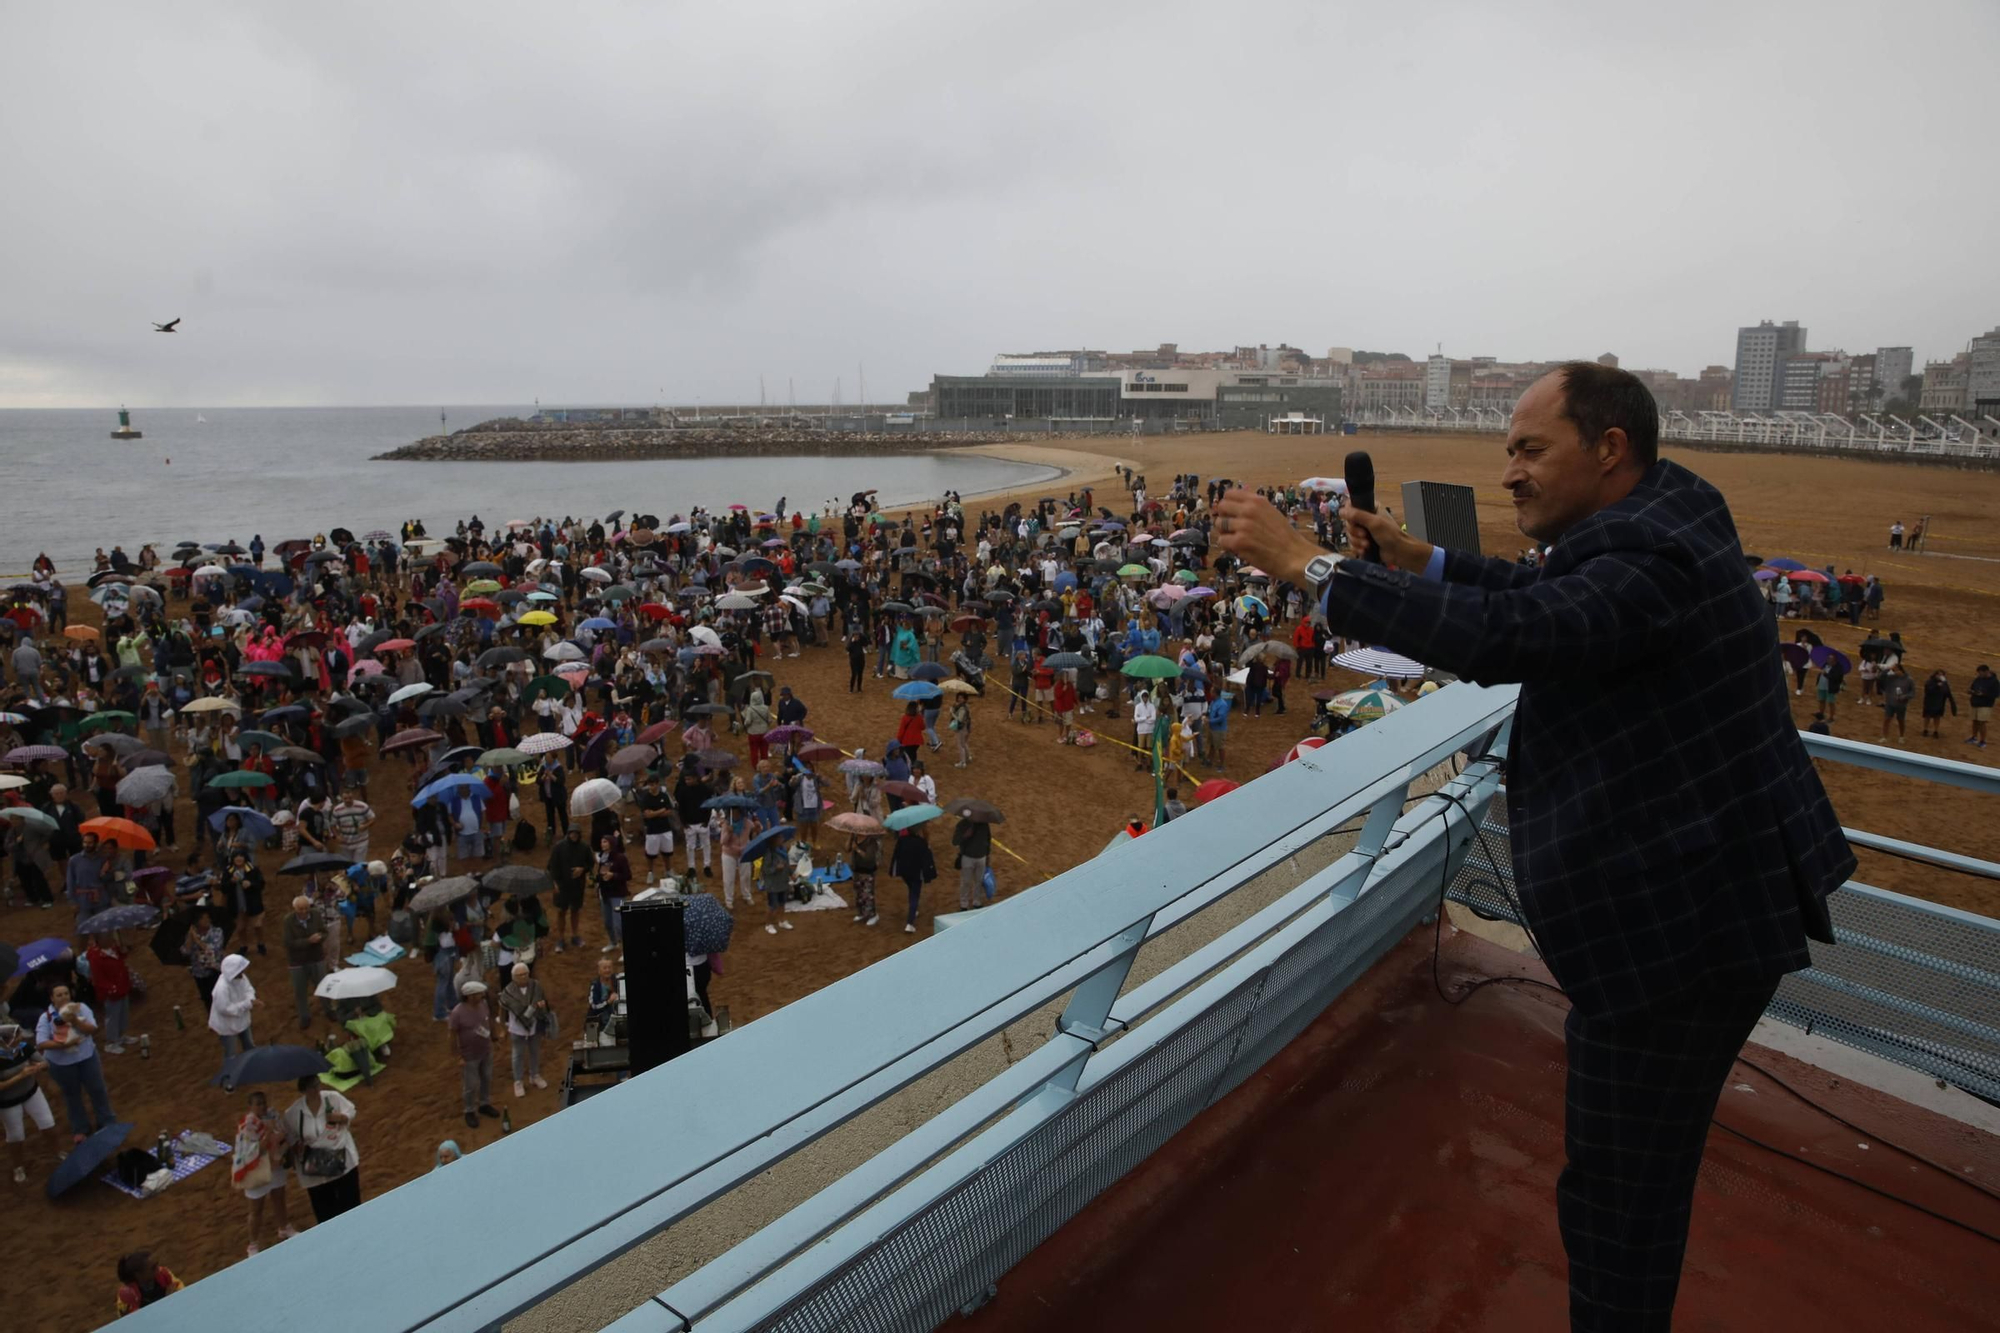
point(1380, 662)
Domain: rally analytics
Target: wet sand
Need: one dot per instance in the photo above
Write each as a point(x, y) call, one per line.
point(1944, 603)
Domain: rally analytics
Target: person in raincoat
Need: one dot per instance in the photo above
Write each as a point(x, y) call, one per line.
point(229, 1007)
point(904, 652)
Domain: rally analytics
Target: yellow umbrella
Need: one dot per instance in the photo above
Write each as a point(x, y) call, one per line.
point(537, 618)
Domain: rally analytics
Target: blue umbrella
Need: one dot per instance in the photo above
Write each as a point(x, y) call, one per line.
point(313, 863)
point(1785, 563)
point(707, 924)
point(911, 814)
point(34, 955)
point(1065, 581)
point(766, 841)
point(598, 622)
point(127, 916)
point(285, 713)
point(270, 1064)
point(920, 691)
point(445, 786)
point(930, 671)
point(730, 801)
point(86, 1157)
point(255, 822)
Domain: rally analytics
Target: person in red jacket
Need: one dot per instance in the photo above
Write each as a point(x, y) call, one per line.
point(142, 1282)
point(498, 793)
point(1065, 701)
point(112, 980)
point(910, 728)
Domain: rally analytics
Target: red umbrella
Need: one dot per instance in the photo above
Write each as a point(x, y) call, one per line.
point(406, 740)
point(1213, 788)
point(654, 611)
point(395, 645)
point(1806, 576)
point(483, 605)
point(658, 731)
point(1851, 578)
point(906, 791)
point(819, 750)
point(121, 831)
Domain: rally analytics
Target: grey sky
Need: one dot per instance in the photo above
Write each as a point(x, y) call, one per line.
point(413, 203)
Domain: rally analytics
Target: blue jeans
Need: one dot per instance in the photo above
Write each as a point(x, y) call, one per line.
point(443, 963)
point(85, 1076)
point(613, 926)
point(234, 1043)
point(470, 845)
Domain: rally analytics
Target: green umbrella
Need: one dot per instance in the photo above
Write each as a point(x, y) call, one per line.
point(1148, 667)
point(553, 686)
point(1133, 572)
point(911, 814)
point(99, 721)
point(29, 817)
point(1360, 706)
point(504, 757)
point(480, 587)
point(270, 741)
point(241, 778)
point(1187, 576)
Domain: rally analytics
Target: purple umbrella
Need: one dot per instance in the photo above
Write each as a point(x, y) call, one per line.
point(595, 753)
point(1765, 575)
point(716, 759)
point(32, 956)
point(28, 754)
point(1795, 654)
point(1823, 654)
point(788, 733)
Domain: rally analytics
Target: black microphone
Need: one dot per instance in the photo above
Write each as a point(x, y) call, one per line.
point(1360, 471)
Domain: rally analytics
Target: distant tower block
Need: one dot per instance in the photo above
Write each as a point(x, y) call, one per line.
point(125, 431)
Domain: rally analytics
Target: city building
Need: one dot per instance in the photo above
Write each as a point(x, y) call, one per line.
point(1023, 397)
point(1893, 365)
point(1862, 394)
point(1437, 384)
point(1799, 375)
point(1982, 376)
point(1043, 365)
point(1717, 391)
point(1760, 355)
point(1944, 386)
point(1391, 385)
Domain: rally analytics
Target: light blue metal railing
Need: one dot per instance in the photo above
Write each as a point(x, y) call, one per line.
point(1912, 981)
point(926, 1225)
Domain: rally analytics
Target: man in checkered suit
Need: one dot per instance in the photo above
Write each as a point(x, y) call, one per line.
point(1672, 843)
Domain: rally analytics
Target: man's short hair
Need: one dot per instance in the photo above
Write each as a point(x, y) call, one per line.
point(1598, 398)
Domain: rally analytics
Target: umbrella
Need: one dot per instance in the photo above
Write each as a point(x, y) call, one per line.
point(764, 842)
point(1146, 666)
point(706, 924)
point(266, 741)
point(1785, 563)
point(930, 671)
point(818, 750)
point(711, 710)
point(517, 881)
point(355, 983)
point(978, 811)
point(716, 759)
point(123, 832)
point(145, 786)
point(1876, 644)
point(1823, 655)
point(445, 786)
point(358, 725)
point(921, 691)
point(408, 740)
point(444, 705)
point(555, 687)
point(1807, 576)
point(314, 863)
point(597, 623)
point(1065, 661)
point(440, 892)
point(911, 815)
point(788, 733)
point(1765, 575)
point(657, 732)
point(594, 795)
point(862, 768)
point(732, 800)
point(241, 778)
point(1796, 655)
point(31, 956)
point(1361, 706)
point(271, 1064)
point(256, 823)
point(502, 656)
point(504, 757)
point(853, 821)
point(632, 759)
point(27, 754)
point(29, 817)
point(416, 691)
point(564, 652)
point(1213, 788)
point(1380, 662)
point(958, 687)
point(264, 669)
point(1269, 648)
point(542, 742)
point(86, 1157)
point(537, 617)
point(905, 791)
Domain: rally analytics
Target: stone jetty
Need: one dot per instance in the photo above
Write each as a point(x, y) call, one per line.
point(514, 440)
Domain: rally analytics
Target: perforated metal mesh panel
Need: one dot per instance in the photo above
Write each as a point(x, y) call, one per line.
point(927, 1268)
point(1918, 987)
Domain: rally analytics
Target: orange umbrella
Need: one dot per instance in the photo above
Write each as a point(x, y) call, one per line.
point(121, 831)
point(81, 633)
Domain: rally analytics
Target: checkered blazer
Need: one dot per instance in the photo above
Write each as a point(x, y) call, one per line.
point(1668, 828)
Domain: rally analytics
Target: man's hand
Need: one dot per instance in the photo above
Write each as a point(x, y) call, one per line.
point(1248, 526)
point(1366, 532)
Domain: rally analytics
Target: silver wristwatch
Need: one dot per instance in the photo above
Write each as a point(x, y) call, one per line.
point(1318, 570)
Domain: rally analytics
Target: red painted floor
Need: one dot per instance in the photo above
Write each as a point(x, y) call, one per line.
point(1394, 1169)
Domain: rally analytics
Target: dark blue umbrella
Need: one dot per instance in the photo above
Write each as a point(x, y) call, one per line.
point(707, 923)
point(314, 863)
point(930, 671)
point(271, 1064)
point(766, 841)
point(283, 713)
point(730, 801)
point(255, 822)
point(127, 916)
point(86, 1157)
point(1066, 661)
point(34, 955)
point(1785, 563)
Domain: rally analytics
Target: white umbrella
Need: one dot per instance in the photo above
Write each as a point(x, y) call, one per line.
point(594, 795)
point(415, 691)
point(703, 634)
point(796, 602)
point(595, 575)
point(1380, 662)
point(1334, 484)
point(210, 571)
point(542, 742)
point(212, 704)
point(564, 652)
point(10, 781)
point(735, 601)
point(354, 983)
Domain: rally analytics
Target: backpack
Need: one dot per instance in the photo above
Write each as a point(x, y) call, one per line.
point(403, 927)
point(524, 836)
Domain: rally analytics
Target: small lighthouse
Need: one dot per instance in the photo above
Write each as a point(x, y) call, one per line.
point(125, 430)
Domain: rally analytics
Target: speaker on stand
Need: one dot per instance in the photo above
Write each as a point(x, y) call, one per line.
point(656, 981)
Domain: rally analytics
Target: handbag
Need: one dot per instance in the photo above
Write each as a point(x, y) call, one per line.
point(549, 1024)
point(250, 1167)
point(326, 1163)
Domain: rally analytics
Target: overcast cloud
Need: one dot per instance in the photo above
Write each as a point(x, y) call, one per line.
point(485, 202)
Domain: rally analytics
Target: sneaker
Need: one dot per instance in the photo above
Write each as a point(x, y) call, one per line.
point(909, 929)
point(472, 1120)
point(253, 1248)
point(770, 929)
point(538, 1080)
point(871, 920)
point(117, 1048)
point(486, 1109)
point(783, 924)
point(560, 946)
point(607, 948)
point(287, 1231)
point(857, 916)
point(20, 1175)
point(519, 1091)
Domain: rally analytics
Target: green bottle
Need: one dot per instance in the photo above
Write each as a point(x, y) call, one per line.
point(180, 1024)
point(506, 1121)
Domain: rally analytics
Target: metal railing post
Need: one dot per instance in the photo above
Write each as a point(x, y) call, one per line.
point(1089, 1008)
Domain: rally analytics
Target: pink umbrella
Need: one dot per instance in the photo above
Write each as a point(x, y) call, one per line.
point(367, 666)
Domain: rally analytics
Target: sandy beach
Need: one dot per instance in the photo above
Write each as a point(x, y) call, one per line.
point(1062, 803)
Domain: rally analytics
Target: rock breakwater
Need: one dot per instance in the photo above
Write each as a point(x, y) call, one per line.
point(525, 441)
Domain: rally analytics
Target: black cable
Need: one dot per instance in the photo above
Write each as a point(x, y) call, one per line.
point(1444, 892)
point(1852, 1180)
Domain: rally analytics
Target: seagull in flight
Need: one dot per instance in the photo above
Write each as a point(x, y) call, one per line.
point(167, 327)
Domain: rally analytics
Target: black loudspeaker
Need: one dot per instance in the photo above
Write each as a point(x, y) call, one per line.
point(1442, 514)
point(655, 981)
